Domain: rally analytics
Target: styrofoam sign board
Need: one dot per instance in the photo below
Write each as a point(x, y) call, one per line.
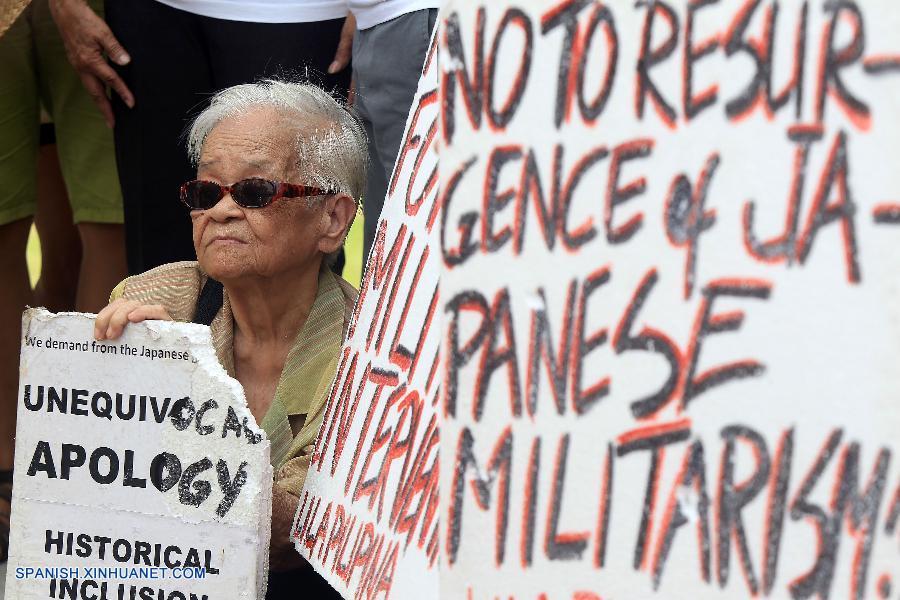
point(139, 469)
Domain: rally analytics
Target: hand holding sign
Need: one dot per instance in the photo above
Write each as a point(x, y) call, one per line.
point(140, 455)
point(111, 321)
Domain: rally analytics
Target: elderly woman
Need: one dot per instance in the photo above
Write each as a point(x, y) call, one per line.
point(280, 170)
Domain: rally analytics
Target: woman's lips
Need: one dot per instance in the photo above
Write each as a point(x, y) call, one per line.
point(226, 239)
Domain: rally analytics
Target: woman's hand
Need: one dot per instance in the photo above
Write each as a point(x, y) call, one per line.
point(111, 321)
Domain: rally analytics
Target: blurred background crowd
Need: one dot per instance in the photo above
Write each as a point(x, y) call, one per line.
point(95, 97)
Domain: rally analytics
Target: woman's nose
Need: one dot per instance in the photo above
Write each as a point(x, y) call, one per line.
point(226, 208)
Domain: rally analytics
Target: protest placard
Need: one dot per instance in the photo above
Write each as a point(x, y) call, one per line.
point(368, 514)
point(139, 472)
point(671, 299)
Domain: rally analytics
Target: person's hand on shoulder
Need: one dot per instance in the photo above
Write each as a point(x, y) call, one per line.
point(111, 321)
point(87, 37)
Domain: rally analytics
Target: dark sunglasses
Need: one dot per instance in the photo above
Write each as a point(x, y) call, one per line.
point(248, 193)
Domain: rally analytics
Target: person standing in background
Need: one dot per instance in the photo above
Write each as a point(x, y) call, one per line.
point(389, 49)
point(170, 57)
point(60, 244)
point(34, 71)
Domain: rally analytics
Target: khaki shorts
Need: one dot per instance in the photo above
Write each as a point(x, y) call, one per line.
point(34, 71)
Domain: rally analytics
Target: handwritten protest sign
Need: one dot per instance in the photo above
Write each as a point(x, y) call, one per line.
point(368, 514)
point(140, 472)
point(671, 261)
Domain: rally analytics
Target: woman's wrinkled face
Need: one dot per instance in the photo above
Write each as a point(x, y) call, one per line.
point(234, 242)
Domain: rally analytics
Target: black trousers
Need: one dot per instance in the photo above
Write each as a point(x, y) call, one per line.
point(300, 584)
point(178, 60)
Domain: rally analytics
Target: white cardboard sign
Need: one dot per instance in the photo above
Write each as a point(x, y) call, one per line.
point(137, 463)
point(670, 299)
point(368, 513)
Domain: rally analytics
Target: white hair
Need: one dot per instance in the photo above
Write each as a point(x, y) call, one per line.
point(331, 148)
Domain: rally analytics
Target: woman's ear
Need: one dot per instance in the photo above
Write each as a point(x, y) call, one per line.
point(340, 210)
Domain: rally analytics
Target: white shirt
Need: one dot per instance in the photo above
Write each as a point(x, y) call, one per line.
point(264, 11)
point(370, 13)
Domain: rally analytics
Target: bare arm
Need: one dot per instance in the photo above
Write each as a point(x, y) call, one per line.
point(345, 46)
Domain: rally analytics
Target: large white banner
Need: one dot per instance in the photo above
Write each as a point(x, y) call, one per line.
point(368, 514)
point(671, 261)
point(140, 472)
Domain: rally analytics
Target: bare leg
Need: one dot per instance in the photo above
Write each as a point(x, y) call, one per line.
point(16, 295)
point(102, 264)
point(60, 245)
